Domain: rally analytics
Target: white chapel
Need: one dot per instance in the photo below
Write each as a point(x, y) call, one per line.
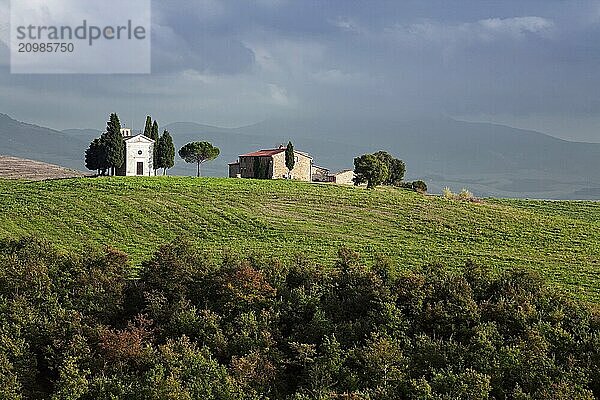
point(139, 150)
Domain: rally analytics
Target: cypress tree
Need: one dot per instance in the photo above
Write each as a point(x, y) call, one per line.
point(96, 155)
point(102, 155)
point(166, 152)
point(290, 160)
point(92, 156)
point(115, 145)
point(148, 127)
point(154, 136)
point(257, 168)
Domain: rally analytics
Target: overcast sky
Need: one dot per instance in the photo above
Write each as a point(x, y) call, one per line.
point(525, 63)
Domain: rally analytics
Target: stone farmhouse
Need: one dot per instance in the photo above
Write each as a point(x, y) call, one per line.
point(270, 164)
point(343, 177)
point(139, 151)
point(320, 174)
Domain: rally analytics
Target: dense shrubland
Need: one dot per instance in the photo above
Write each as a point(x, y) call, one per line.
point(196, 327)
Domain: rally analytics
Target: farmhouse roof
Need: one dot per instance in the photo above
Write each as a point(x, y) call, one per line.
point(271, 152)
point(263, 153)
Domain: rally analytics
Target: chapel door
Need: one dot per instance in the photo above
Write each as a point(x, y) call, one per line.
point(140, 168)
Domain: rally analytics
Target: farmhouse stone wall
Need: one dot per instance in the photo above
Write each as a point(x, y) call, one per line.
point(320, 174)
point(234, 170)
point(248, 165)
point(259, 165)
point(344, 177)
point(301, 171)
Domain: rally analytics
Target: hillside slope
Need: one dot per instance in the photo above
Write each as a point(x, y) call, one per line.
point(21, 168)
point(559, 239)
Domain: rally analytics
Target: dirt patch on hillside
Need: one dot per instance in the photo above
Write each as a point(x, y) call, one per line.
point(20, 168)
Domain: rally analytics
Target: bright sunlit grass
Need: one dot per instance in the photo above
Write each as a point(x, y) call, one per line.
point(287, 219)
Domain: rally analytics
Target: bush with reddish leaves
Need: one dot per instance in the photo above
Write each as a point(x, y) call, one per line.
point(198, 327)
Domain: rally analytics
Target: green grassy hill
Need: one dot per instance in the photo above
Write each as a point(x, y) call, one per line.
point(559, 239)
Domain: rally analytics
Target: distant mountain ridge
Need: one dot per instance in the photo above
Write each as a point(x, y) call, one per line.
point(83, 133)
point(489, 159)
point(36, 142)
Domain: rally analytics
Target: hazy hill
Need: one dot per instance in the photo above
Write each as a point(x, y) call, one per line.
point(35, 142)
point(491, 160)
point(83, 134)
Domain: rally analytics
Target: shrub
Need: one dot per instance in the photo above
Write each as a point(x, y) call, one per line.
point(269, 330)
point(447, 193)
point(419, 186)
point(464, 195)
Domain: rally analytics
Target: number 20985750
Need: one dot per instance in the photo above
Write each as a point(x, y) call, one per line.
point(55, 47)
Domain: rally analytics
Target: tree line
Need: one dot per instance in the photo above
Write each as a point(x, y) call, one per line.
point(106, 154)
point(163, 156)
point(194, 325)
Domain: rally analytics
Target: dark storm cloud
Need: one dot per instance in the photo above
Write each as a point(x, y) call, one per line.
point(240, 61)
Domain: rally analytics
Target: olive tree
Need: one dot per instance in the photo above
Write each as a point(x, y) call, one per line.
point(369, 169)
